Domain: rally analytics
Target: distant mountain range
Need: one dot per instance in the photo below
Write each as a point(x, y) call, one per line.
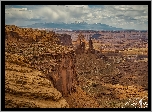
point(76, 26)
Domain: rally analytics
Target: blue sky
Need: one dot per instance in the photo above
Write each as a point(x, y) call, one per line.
point(120, 16)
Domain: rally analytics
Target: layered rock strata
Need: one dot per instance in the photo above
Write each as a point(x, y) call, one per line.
point(40, 51)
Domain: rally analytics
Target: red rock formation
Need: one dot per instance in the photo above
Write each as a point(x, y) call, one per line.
point(81, 44)
point(41, 53)
point(64, 76)
point(65, 39)
point(91, 50)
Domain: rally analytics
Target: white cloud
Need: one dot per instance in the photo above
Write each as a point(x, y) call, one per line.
point(112, 15)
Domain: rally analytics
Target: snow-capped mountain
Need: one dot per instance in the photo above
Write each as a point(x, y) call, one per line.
point(75, 26)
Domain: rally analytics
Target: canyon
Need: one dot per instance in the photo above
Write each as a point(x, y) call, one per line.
point(48, 67)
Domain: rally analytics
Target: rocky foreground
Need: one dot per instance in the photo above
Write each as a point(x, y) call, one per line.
point(29, 88)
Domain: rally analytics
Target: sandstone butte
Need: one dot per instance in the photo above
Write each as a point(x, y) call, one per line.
point(39, 70)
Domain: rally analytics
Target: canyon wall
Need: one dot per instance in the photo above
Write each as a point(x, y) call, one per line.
point(41, 50)
point(63, 75)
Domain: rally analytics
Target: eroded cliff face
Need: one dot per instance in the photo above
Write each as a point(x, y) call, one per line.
point(63, 75)
point(65, 39)
point(39, 51)
point(60, 69)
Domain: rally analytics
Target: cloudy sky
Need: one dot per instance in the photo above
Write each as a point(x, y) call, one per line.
point(120, 16)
